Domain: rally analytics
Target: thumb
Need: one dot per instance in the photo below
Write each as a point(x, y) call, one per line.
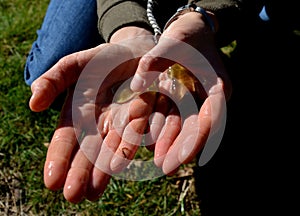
point(58, 78)
point(154, 62)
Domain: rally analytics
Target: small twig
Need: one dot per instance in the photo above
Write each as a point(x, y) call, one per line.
point(7, 204)
point(185, 189)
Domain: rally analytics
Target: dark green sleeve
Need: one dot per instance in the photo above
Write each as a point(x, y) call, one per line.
point(115, 14)
point(231, 14)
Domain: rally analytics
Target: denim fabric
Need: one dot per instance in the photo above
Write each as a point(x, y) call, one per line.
point(68, 26)
point(263, 14)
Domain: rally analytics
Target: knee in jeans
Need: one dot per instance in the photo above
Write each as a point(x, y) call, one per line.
point(36, 64)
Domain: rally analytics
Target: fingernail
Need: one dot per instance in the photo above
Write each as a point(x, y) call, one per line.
point(37, 101)
point(137, 83)
point(32, 98)
point(118, 163)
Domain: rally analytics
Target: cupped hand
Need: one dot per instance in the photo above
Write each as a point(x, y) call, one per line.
point(189, 42)
point(94, 136)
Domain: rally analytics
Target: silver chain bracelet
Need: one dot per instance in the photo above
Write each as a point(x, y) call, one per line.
point(182, 10)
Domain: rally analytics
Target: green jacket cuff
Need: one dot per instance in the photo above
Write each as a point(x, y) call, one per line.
point(121, 15)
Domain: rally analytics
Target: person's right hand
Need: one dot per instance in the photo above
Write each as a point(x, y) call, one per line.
point(95, 135)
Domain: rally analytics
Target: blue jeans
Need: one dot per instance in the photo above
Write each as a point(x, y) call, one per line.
point(68, 26)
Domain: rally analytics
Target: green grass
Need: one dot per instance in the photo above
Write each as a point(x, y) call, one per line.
point(23, 134)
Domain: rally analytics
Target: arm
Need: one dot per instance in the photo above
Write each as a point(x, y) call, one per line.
point(180, 42)
point(116, 14)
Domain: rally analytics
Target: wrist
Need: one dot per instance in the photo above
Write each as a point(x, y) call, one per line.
point(128, 32)
point(207, 17)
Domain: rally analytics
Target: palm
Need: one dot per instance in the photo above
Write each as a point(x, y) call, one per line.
point(86, 118)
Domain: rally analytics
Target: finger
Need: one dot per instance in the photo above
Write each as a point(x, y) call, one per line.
point(190, 140)
point(167, 136)
point(63, 144)
point(151, 64)
point(157, 120)
point(197, 129)
point(58, 157)
point(142, 106)
point(101, 172)
point(97, 184)
point(194, 134)
point(139, 112)
point(104, 123)
point(99, 176)
point(131, 140)
point(215, 112)
point(58, 78)
point(117, 119)
point(120, 117)
point(78, 177)
point(108, 149)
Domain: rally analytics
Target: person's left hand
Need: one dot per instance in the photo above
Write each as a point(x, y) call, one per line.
point(188, 41)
